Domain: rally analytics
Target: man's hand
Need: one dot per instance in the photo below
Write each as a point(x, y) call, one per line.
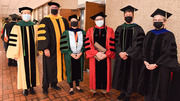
point(103, 56)
point(146, 64)
point(78, 56)
point(151, 67)
point(99, 55)
point(47, 52)
point(123, 55)
point(73, 56)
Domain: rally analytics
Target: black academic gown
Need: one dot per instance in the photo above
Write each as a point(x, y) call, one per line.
point(49, 34)
point(8, 28)
point(101, 70)
point(126, 72)
point(174, 94)
point(158, 49)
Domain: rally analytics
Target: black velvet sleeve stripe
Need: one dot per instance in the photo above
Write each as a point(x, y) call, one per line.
point(111, 39)
point(40, 29)
point(86, 44)
point(41, 35)
point(63, 42)
point(116, 33)
point(14, 35)
point(139, 45)
point(84, 35)
point(112, 50)
point(140, 34)
point(174, 50)
point(14, 40)
point(10, 44)
point(140, 39)
point(173, 44)
point(64, 36)
point(86, 39)
point(112, 44)
point(66, 47)
point(86, 49)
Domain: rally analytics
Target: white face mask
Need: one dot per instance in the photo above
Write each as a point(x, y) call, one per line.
point(99, 23)
point(26, 17)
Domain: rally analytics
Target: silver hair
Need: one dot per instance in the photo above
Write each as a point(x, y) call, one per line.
point(164, 18)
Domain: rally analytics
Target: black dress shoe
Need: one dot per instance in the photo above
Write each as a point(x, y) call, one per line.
point(80, 90)
point(126, 99)
point(56, 87)
point(9, 63)
point(14, 63)
point(45, 91)
point(71, 92)
point(121, 96)
point(32, 91)
point(25, 92)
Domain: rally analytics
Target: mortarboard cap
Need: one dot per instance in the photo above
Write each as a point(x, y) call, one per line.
point(128, 8)
point(98, 14)
point(74, 16)
point(14, 16)
point(25, 8)
point(161, 12)
point(53, 3)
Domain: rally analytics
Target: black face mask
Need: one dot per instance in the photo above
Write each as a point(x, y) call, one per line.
point(128, 19)
point(158, 25)
point(54, 11)
point(74, 23)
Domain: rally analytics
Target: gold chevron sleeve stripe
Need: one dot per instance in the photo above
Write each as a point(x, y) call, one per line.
point(11, 42)
point(41, 31)
point(41, 38)
point(41, 26)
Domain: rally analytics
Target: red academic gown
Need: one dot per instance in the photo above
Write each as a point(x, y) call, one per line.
point(91, 52)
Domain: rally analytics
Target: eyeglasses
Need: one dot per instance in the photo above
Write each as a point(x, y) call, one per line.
point(158, 20)
point(54, 7)
point(99, 19)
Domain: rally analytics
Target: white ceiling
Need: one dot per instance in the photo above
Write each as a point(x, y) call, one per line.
point(8, 7)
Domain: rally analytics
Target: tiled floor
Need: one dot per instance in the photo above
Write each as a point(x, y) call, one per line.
point(9, 91)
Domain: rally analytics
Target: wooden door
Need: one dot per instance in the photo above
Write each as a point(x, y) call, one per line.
point(90, 10)
point(68, 12)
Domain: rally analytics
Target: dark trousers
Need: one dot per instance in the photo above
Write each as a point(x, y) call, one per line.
point(127, 94)
point(46, 86)
point(149, 98)
point(71, 84)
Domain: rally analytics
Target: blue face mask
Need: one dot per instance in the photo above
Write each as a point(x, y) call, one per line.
point(26, 17)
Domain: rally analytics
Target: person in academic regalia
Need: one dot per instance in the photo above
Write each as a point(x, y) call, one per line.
point(6, 33)
point(19, 19)
point(129, 38)
point(49, 33)
point(22, 47)
point(159, 54)
point(100, 71)
point(6, 20)
point(72, 45)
